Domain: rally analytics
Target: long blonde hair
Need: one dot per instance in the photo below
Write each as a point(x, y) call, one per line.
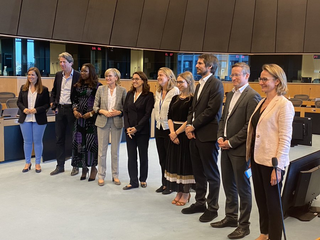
point(172, 82)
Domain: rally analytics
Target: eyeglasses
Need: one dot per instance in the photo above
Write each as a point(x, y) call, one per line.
point(135, 79)
point(236, 75)
point(264, 79)
point(180, 82)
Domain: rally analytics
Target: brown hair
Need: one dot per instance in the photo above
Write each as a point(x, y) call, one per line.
point(145, 85)
point(38, 84)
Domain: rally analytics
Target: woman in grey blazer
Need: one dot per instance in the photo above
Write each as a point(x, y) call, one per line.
point(108, 104)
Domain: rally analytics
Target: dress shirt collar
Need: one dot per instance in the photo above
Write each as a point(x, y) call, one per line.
point(241, 89)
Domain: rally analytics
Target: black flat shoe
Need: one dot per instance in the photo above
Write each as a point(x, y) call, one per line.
point(27, 169)
point(160, 189)
point(38, 170)
point(166, 191)
point(128, 187)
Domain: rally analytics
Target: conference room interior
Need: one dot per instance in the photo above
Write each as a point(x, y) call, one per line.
point(144, 35)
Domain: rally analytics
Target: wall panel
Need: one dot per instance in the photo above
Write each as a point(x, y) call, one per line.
point(218, 27)
point(194, 26)
point(127, 23)
point(151, 27)
point(242, 24)
point(290, 25)
point(264, 27)
point(9, 16)
point(99, 20)
point(172, 31)
point(39, 24)
point(312, 36)
point(70, 19)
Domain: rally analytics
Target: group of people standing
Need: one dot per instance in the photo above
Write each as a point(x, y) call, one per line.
point(249, 131)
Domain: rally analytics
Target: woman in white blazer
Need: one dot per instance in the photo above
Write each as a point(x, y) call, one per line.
point(166, 90)
point(269, 135)
point(108, 104)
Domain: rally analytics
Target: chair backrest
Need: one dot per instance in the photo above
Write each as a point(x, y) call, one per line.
point(0, 109)
point(302, 96)
point(10, 112)
point(316, 80)
point(12, 103)
point(296, 102)
point(317, 103)
point(4, 96)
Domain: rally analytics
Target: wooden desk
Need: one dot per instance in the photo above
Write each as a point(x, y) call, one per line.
point(308, 103)
point(304, 110)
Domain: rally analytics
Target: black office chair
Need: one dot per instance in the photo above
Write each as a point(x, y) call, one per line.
point(317, 103)
point(12, 103)
point(4, 96)
point(316, 80)
point(303, 97)
point(296, 102)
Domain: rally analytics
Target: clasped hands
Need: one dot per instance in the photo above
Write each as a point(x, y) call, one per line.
point(174, 138)
point(190, 132)
point(131, 131)
point(78, 115)
point(30, 111)
point(111, 113)
point(223, 144)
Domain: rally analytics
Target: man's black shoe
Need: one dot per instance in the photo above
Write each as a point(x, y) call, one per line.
point(226, 222)
point(56, 171)
point(166, 191)
point(208, 216)
point(194, 209)
point(240, 232)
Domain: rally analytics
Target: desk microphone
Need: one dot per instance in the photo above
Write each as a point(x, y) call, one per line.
point(275, 166)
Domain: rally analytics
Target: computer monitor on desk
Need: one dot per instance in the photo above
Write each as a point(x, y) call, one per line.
point(306, 79)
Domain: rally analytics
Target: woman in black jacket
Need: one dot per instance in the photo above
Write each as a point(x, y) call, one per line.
point(33, 102)
point(137, 110)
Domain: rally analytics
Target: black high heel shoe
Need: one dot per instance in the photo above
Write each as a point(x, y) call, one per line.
point(84, 173)
point(27, 169)
point(93, 174)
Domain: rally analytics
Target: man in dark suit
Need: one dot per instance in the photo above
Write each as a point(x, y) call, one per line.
point(232, 135)
point(61, 101)
point(202, 127)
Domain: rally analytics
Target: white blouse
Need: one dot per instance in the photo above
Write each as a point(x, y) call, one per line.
point(31, 102)
point(111, 99)
point(161, 107)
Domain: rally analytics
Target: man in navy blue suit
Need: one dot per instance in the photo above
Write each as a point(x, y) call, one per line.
point(61, 102)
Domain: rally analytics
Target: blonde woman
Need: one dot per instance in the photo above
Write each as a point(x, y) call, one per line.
point(166, 90)
point(178, 173)
point(108, 105)
point(269, 135)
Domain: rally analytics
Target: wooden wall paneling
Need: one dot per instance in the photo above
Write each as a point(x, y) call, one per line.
point(218, 26)
point(264, 27)
point(37, 18)
point(194, 26)
point(242, 25)
point(172, 31)
point(9, 16)
point(290, 25)
point(312, 36)
point(70, 19)
point(152, 23)
point(99, 20)
point(126, 23)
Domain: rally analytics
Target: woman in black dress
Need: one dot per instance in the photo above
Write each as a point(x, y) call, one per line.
point(179, 174)
point(85, 143)
point(137, 110)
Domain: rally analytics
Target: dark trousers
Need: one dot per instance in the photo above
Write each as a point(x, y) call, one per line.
point(142, 143)
point(204, 157)
point(267, 199)
point(235, 182)
point(64, 126)
point(162, 142)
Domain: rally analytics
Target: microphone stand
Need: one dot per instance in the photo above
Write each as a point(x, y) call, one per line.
point(275, 166)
